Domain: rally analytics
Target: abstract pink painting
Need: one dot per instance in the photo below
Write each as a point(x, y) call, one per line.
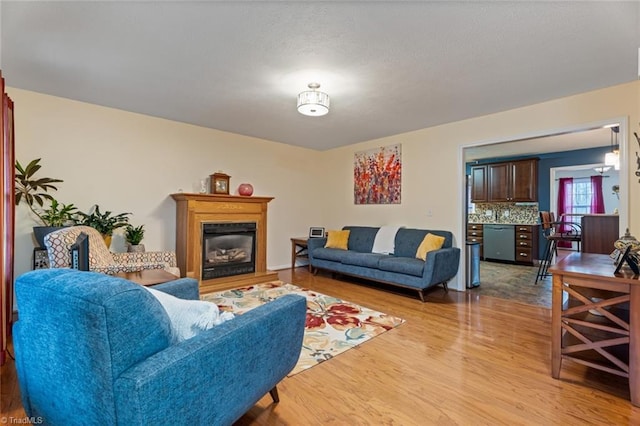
point(377, 175)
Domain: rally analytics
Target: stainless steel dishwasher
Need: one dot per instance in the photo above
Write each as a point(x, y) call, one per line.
point(499, 242)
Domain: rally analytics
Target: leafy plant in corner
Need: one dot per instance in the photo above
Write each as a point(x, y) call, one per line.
point(134, 235)
point(31, 190)
point(105, 223)
point(59, 214)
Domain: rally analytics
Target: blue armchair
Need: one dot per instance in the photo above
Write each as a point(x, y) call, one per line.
point(93, 349)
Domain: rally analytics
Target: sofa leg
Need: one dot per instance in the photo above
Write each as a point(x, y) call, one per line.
point(274, 394)
point(421, 294)
point(446, 287)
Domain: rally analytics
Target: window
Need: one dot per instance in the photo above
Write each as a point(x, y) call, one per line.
point(581, 196)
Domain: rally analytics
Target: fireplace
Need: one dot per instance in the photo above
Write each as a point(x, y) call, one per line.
point(194, 212)
point(228, 249)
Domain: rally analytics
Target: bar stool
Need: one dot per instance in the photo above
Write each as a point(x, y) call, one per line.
point(551, 230)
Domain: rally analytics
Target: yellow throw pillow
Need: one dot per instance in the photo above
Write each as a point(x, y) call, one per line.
point(337, 240)
point(429, 243)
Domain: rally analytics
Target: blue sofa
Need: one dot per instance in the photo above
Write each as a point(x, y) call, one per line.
point(401, 268)
point(93, 349)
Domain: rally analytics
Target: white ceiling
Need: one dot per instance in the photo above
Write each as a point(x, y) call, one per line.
point(389, 67)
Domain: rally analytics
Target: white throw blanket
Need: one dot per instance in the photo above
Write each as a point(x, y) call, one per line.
point(189, 317)
point(384, 242)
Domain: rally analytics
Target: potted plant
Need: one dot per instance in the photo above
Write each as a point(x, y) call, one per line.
point(33, 191)
point(56, 216)
point(105, 223)
point(133, 236)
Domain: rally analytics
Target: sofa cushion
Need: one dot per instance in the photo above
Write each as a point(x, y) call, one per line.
point(408, 240)
point(361, 238)
point(402, 265)
point(337, 240)
point(334, 255)
point(368, 260)
point(429, 243)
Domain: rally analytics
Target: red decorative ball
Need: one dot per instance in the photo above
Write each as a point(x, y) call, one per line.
point(245, 189)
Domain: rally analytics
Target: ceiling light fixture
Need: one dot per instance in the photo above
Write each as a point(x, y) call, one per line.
point(613, 158)
point(313, 102)
point(602, 170)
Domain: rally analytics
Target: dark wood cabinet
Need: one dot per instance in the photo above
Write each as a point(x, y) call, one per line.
point(499, 182)
point(526, 240)
point(513, 181)
point(509, 181)
point(599, 232)
point(474, 235)
point(479, 190)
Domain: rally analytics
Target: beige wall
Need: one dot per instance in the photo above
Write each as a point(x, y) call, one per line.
point(433, 173)
point(131, 162)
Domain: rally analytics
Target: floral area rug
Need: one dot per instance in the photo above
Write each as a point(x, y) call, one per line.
point(332, 326)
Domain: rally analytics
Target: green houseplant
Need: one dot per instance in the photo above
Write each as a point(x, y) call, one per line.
point(31, 190)
point(34, 192)
point(59, 214)
point(105, 223)
point(133, 236)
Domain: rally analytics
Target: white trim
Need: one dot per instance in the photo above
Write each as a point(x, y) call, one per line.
point(623, 122)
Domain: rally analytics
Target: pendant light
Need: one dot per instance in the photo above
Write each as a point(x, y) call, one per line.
point(613, 158)
point(313, 102)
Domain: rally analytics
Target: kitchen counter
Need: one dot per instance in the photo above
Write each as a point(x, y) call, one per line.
point(505, 223)
point(512, 242)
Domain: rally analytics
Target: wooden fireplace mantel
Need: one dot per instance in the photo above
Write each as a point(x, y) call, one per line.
point(192, 210)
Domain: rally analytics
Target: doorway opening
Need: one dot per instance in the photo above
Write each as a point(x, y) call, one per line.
point(518, 284)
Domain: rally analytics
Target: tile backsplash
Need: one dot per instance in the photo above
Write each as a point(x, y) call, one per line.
point(504, 213)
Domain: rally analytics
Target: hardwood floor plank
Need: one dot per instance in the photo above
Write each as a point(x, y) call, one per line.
point(460, 359)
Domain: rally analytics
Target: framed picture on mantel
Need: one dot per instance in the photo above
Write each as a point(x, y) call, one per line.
point(219, 183)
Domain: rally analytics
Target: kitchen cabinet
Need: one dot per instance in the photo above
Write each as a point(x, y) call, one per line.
point(526, 243)
point(509, 181)
point(516, 243)
point(515, 181)
point(479, 190)
point(474, 235)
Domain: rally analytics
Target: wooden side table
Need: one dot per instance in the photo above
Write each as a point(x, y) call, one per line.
point(299, 250)
point(602, 332)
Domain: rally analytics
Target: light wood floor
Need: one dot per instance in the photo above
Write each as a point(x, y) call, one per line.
point(460, 359)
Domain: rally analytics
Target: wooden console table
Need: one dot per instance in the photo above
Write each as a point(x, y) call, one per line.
point(600, 326)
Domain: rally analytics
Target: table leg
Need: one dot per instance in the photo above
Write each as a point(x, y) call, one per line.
point(634, 346)
point(293, 255)
point(556, 326)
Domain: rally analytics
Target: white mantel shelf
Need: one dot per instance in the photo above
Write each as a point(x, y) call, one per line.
point(192, 210)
